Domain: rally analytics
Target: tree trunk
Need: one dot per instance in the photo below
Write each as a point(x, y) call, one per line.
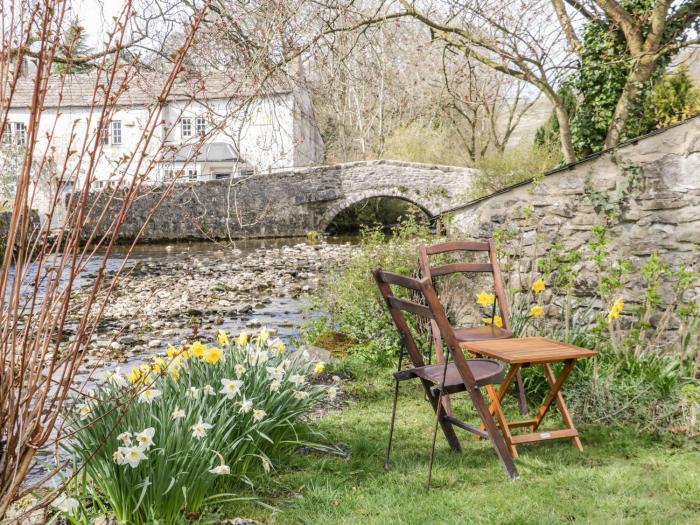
point(567, 144)
point(639, 75)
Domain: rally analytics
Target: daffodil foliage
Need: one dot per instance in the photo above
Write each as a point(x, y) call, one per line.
point(162, 440)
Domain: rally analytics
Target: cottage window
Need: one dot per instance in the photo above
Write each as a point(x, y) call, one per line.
point(116, 132)
point(112, 133)
point(20, 133)
point(15, 133)
point(185, 127)
point(192, 174)
point(200, 125)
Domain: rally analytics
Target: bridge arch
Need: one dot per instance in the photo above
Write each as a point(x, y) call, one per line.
point(337, 207)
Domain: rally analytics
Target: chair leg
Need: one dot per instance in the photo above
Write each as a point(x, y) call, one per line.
point(522, 399)
point(391, 425)
point(438, 415)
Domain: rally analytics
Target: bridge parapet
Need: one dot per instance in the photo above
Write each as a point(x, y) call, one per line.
point(290, 203)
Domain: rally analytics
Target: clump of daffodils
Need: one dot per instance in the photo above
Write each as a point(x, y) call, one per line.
point(196, 413)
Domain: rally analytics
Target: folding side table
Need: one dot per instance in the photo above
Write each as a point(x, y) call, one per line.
point(524, 352)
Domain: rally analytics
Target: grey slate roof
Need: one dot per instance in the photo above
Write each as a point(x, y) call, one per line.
point(211, 152)
point(141, 89)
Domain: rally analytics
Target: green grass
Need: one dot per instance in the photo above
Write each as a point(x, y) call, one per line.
point(621, 477)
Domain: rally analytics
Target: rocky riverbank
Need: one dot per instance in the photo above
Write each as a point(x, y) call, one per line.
point(179, 295)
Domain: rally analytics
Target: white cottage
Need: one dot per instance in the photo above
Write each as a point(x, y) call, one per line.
point(210, 128)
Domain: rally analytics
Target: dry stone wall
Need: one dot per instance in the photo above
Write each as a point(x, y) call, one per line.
point(647, 193)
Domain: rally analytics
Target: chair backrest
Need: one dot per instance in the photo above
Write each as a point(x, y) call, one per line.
point(432, 310)
point(491, 266)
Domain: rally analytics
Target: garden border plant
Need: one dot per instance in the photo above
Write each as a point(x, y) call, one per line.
point(156, 444)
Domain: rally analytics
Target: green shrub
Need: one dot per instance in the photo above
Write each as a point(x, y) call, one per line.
point(157, 447)
point(350, 302)
point(498, 171)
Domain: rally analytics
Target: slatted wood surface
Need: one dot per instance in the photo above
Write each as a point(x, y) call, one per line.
point(528, 350)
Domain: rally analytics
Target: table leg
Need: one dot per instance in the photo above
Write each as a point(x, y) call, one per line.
point(554, 393)
point(561, 405)
point(502, 421)
point(498, 396)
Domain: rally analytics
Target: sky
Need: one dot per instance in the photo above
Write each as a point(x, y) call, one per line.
point(96, 18)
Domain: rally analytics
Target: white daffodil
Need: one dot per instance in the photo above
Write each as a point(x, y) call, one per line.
point(148, 395)
point(65, 504)
point(118, 456)
point(240, 370)
point(246, 406)
point(133, 456)
point(199, 430)
point(125, 437)
point(300, 394)
point(259, 415)
point(258, 357)
point(178, 413)
point(116, 378)
point(231, 388)
point(221, 470)
point(332, 392)
point(297, 379)
point(145, 438)
point(266, 465)
point(84, 410)
point(192, 392)
point(208, 390)
point(275, 385)
point(275, 372)
point(263, 335)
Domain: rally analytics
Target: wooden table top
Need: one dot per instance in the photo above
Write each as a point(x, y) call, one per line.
point(528, 350)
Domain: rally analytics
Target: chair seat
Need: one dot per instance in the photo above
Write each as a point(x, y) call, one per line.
point(481, 333)
point(485, 372)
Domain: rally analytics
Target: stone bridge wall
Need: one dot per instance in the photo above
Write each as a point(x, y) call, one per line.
point(654, 185)
point(289, 203)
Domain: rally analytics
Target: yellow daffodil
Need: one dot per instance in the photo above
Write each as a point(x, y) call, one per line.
point(172, 351)
point(159, 365)
point(536, 311)
point(538, 286)
point(222, 337)
point(320, 367)
point(485, 299)
point(212, 355)
point(242, 339)
point(197, 349)
point(137, 375)
point(278, 346)
point(616, 309)
point(496, 320)
point(174, 372)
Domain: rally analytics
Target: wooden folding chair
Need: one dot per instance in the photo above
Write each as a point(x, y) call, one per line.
point(476, 333)
point(441, 379)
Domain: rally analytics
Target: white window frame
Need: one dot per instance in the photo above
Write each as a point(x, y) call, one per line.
point(116, 132)
point(200, 126)
point(192, 175)
point(185, 123)
point(20, 133)
point(15, 133)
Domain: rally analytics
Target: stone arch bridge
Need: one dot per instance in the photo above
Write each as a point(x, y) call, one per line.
point(293, 202)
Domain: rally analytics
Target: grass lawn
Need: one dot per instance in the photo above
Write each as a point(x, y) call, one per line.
point(621, 477)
